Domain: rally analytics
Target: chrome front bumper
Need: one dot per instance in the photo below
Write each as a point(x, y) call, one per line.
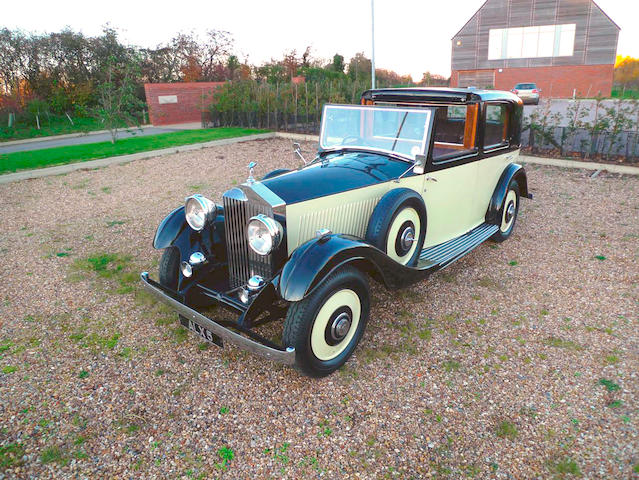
point(285, 356)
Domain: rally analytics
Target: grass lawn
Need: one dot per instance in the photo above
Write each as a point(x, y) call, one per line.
point(625, 94)
point(55, 125)
point(12, 162)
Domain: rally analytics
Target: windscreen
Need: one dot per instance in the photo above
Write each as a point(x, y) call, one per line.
point(525, 86)
point(397, 130)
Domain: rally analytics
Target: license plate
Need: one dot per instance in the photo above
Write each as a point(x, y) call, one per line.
point(202, 332)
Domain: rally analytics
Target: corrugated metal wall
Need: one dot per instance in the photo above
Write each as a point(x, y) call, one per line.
point(477, 78)
point(595, 38)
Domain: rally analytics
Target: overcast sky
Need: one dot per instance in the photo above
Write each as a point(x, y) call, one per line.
point(411, 36)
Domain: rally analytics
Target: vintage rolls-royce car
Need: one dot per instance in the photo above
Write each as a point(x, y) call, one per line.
point(402, 186)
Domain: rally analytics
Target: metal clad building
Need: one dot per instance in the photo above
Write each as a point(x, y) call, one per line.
point(564, 46)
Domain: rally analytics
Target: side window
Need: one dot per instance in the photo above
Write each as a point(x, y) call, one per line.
point(496, 127)
point(454, 132)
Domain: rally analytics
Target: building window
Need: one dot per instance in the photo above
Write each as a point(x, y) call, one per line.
point(477, 78)
point(531, 42)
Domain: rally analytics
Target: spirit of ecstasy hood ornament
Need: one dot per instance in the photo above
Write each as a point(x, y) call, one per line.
point(250, 178)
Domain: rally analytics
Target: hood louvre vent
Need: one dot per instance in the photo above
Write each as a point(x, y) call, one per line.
point(349, 218)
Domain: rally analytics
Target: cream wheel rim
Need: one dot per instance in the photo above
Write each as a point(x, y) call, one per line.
point(510, 210)
point(405, 216)
point(340, 311)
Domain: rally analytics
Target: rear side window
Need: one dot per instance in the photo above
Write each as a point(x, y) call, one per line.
point(454, 131)
point(496, 126)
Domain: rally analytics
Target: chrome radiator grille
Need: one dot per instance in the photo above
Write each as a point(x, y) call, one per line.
point(243, 262)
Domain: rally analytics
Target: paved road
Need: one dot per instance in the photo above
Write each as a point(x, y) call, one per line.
point(89, 138)
point(561, 106)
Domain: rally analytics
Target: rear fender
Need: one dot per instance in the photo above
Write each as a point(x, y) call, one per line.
point(512, 171)
point(313, 261)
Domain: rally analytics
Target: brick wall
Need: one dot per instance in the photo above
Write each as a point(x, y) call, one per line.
point(558, 81)
point(171, 103)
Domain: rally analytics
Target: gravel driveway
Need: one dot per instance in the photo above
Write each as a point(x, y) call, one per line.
point(519, 361)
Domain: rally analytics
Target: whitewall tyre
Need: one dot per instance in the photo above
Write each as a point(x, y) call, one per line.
point(403, 234)
point(398, 226)
point(509, 211)
point(326, 326)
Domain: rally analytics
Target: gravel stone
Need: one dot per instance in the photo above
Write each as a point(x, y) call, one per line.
point(488, 369)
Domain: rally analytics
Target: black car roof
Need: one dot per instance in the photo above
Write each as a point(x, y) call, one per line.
point(438, 94)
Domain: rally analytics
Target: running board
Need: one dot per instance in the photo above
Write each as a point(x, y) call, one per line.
point(446, 253)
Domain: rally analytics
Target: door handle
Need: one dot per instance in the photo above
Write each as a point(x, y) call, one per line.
point(430, 179)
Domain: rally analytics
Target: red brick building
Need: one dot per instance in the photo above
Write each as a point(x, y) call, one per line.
point(172, 103)
point(564, 46)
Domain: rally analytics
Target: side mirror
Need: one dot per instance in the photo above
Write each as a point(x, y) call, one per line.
point(420, 163)
point(297, 150)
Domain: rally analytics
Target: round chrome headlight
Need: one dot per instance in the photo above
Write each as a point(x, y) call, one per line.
point(198, 211)
point(264, 234)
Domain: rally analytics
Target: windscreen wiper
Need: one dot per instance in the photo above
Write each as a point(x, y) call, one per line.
point(401, 125)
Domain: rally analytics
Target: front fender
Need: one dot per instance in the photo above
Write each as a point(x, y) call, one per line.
point(170, 229)
point(512, 171)
point(316, 259)
point(174, 231)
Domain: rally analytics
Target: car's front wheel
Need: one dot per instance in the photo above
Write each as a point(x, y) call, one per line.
point(398, 226)
point(169, 270)
point(326, 326)
point(509, 212)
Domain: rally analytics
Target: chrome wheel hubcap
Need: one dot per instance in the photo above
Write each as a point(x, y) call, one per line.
point(510, 211)
point(340, 327)
point(407, 238)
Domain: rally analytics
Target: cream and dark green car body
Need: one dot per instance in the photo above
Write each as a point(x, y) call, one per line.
point(325, 211)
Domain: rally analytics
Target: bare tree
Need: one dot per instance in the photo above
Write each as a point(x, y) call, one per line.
point(290, 62)
point(13, 46)
point(306, 57)
point(214, 53)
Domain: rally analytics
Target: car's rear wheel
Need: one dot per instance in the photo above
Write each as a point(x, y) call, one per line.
point(509, 211)
point(326, 326)
point(398, 226)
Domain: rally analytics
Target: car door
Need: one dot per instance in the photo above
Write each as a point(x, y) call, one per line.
point(450, 178)
point(496, 155)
